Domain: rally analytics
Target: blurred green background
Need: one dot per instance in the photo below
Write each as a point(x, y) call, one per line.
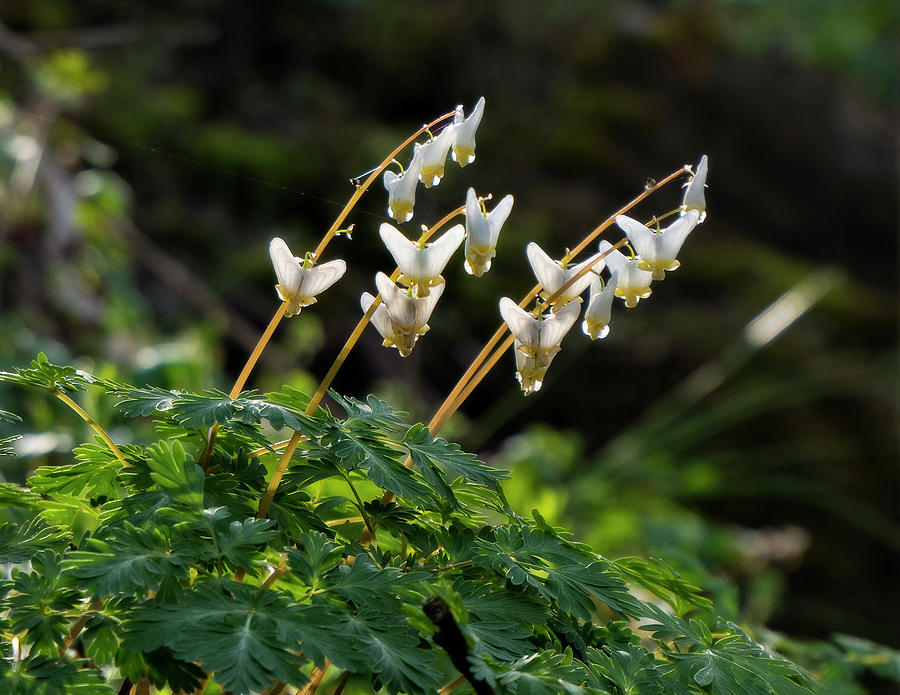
point(149, 151)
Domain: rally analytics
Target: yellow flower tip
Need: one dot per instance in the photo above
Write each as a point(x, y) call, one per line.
point(402, 211)
point(658, 274)
point(431, 176)
point(595, 330)
point(463, 155)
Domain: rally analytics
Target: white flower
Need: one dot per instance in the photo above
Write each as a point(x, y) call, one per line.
point(553, 276)
point(657, 250)
point(401, 189)
point(694, 197)
point(482, 232)
point(599, 309)
point(537, 340)
point(400, 318)
point(298, 285)
point(633, 284)
point(421, 267)
point(463, 148)
point(434, 156)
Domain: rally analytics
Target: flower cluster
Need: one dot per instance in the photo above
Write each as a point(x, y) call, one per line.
point(538, 338)
point(427, 164)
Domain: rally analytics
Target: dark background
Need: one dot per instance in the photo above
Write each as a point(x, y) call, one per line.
point(150, 150)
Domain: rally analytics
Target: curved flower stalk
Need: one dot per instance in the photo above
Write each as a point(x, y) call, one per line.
point(483, 231)
point(421, 268)
point(553, 276)
point(401, 189)
point(694, 195)
point(298, 286)
point(599, 309)
point(536, 340)
point(401, 318)
point(657, 250)
point(434, 156)
point(633, 283)
point(463, 146)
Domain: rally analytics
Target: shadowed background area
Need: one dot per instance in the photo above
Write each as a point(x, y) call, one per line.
point(148, 156)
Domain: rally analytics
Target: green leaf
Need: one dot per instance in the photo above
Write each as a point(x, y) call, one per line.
point(543, 673)
point(665, 582)
point(247, 638)
point(12, 495)
point(39, 601)
point(6, 416)
point(42, 675)
point(374, 412)
point(429, 452)
point(6, 445)
point(315, 556)
point(879, 659)
point(94, 476)
point(18, 542)
point(146, 401)
point(631, 670)
point(200, 411)
point(52, 377)
point(178, 477)
point(131, 561)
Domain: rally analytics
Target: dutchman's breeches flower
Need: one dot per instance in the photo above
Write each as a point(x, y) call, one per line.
point(422, 267)
point(657, 250)
point(694, 195)
point(537, 340)
point(483, 231)
point(401, 318)
point(599, 309)
point(401, 189)
point(434, 157)
point(463, 146)
point(633, 283)
point(298, 286)
point(553, 276)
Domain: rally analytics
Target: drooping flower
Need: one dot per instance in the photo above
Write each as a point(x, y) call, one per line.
point(553, 276)
point(401, 189)
point(463, 147)
point(421, 267)
point(633, 284)
point(537, 340)
point(298, 286)
point(434, 157)
point(596, 316)
point(482, 232)
point(657, 250)
point(400, 318)
point(694, 196)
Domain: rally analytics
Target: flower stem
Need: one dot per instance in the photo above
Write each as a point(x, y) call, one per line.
point(363, 322)
point(357, 194)
point(452, 402)
point(257, 351)
point(93, 423)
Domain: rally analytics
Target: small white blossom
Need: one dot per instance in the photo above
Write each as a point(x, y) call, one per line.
point(553, 276)
point(434, 157)
point(463, 147)
point(401, 189)
point(694, 196)
point(537, 340)
point(298, 286)
point(421, 267)
point(599, 309)
point(633, 283)
point(400, 318)
point(482, 232)
point(657, 250)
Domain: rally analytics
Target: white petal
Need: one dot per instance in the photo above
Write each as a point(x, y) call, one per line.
point(545, 269)
point(498, 216)
point(521, 323)
point(425, 305)
point(403, 250)
point(615, 259)
point(400, 305)
point(319, 278)
point(390, 179)
point(642, 238)
point(555, 326)
point(287, 269)
point(436, 255)
point(434, 156)
point(381, 319)
point(694, 195)
point(674, 235)
point(464, 133)
point(478, 228)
